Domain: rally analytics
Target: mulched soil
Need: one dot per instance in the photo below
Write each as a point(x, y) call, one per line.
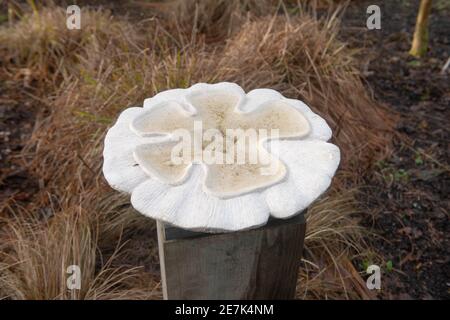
point(17, 117)
point(408, 194)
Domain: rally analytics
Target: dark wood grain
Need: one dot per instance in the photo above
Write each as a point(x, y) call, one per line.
point(254, 264)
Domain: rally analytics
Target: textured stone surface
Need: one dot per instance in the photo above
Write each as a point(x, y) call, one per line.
point(212, 197)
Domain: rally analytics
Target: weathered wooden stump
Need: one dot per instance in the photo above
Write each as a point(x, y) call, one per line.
point(259, 263)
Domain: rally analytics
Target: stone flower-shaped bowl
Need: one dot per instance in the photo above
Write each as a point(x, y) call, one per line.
point(210, 196)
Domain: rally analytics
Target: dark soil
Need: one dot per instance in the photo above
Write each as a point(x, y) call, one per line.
point(17, 116)
point(408, 194)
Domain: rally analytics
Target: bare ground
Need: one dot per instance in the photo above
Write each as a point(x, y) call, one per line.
point(408, 194)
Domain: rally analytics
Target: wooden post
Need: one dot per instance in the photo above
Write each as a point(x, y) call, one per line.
point(253, 264)
point(420, 41)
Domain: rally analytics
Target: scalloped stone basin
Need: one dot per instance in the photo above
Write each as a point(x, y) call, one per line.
point(214, 158)
point(217, 111)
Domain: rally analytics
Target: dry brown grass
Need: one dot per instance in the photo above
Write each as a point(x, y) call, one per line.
point(41, 42)
point(333, 239)
point(215, 19)
point(85, 79)
point(36, 252)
